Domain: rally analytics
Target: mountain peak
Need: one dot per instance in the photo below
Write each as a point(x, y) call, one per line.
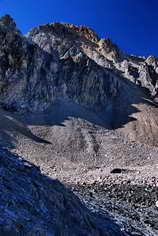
point(66, 29)
point(8, 22)
point(84, 31)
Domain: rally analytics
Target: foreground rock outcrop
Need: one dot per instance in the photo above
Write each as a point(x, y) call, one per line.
point(33, 204)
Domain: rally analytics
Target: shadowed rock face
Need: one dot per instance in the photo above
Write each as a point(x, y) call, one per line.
point(33, 204)
point(34, 75)
point(56, 82)
point(64, 61)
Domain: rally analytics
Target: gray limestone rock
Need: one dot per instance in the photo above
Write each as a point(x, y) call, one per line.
point(55, 64)
point(64, 61)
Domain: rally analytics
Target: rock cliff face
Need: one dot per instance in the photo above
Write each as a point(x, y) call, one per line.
point(60, 60)
point(65, 60)
point(63, 84)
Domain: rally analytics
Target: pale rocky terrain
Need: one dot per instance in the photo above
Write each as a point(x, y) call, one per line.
point(86, 113)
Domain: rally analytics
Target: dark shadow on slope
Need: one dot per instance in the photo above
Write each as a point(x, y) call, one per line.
point(115, 114)
point(62, 110)
point(10, 125)
point(13, 124)
point(29, 201)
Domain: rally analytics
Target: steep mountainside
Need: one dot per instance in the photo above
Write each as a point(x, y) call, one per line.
point(86, 113)
point(65, 61)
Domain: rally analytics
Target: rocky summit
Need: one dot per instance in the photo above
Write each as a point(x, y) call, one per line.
point(85, 112)
point(71, 62)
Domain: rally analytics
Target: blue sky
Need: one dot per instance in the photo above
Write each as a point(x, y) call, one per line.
point(132, 24)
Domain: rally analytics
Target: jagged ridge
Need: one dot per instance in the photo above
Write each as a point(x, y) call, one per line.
point(61, 60)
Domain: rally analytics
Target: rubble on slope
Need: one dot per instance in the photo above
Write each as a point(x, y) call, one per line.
point(33, 204)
